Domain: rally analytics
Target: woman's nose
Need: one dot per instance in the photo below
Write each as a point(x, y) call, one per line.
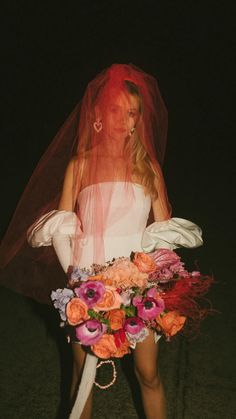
point(122, 117)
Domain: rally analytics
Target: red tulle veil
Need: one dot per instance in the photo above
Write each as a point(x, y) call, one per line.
point(90, 139)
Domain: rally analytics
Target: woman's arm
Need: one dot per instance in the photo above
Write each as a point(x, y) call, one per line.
point(66, 201)
point(160, 206)
point(166, 232)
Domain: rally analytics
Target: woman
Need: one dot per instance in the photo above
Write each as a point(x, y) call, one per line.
point(110, 187)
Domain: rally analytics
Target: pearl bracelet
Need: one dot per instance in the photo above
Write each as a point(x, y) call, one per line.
point(108, 361)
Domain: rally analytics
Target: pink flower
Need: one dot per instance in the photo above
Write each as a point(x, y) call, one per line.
point(177, 267)
point(165, 274)
point(137, 300)
point(152, 292)
point(91, 292)
point(149, 307)
point(90, 332)
point(133, 325)
point(164, 258)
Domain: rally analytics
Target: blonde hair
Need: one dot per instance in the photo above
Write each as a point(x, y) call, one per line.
point(142, 169)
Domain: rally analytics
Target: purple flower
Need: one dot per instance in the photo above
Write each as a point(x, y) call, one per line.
point(90, 292)
point(77, 273)
point(60, 298)
point(89, 332)
point(133, 325)
point(149, 308)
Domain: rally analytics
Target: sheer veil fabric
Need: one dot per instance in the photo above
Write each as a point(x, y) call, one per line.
point(117, 133)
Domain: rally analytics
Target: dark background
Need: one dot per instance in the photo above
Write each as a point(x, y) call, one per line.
point(52, 50)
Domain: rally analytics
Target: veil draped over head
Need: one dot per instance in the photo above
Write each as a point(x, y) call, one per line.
point(117, 133)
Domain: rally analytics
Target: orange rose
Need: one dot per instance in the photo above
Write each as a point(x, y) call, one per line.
point(105, 347)
point(101, 278)
point(116, 318)
point(122, 350)
point(124, 274)
point(111, 300)
point(144, 262)
point(171, 322)
point(76, 311)
point(94, 278)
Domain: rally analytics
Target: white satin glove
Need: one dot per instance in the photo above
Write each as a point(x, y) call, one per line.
point(56, 229)
point(171, 234)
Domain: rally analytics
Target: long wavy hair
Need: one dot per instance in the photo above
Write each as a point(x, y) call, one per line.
point(142, 168)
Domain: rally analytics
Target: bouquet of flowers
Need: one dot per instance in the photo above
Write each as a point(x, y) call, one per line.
point(112, 307)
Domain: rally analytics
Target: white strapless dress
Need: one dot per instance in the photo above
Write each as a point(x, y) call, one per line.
point(124, 231)
point(121, 235)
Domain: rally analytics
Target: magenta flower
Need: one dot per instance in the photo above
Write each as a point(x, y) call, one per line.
point(152, 292)
point(137, 299)
point(90, 292)
point(133, 325)
point(149, 308)
point(90, 332)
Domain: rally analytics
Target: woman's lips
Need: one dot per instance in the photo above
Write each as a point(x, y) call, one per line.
point(120, 130)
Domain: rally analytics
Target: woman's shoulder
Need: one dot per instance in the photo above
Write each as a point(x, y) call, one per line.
point(76, 161)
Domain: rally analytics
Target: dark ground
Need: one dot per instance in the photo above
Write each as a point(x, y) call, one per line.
point(51, 52)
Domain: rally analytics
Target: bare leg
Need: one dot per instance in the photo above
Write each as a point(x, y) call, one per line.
point(145, 358)
point(79, 358)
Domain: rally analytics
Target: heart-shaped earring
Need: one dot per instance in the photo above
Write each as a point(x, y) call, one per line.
point(97, 126)
point(132, 131)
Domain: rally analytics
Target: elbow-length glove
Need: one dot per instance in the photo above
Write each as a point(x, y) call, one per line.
point(56, 229)
point(171, 234)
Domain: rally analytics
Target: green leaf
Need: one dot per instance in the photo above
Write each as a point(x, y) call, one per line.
point(93, 314)
point(130, 311)
point(105, 321)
